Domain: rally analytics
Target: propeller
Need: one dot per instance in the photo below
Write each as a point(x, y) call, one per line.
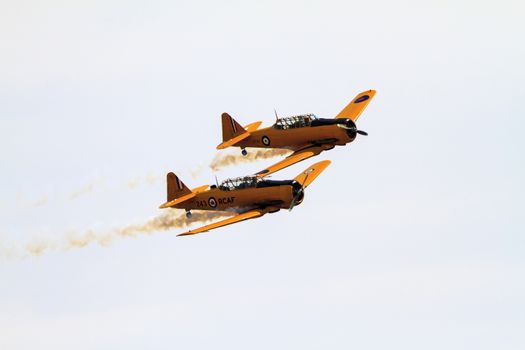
point(351, 125)
point(299, 193)
point(275, 111)
point(294, 200)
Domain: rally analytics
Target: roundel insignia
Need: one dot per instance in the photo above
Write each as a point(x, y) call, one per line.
point(362, 99)
point(265, 140)
point(212, 202)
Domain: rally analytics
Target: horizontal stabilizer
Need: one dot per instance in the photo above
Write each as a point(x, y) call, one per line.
point(184, 198)
point(233, 141)
point(177, 201)
point(253, 126)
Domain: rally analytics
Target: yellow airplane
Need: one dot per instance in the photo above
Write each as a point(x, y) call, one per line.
point(251, 196)
point(306, 135)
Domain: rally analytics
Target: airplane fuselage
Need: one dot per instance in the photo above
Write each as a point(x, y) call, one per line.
point(217, 199)
point(297, 138)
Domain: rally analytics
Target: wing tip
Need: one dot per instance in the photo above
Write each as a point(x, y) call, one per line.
point(185, 234)
point(365, 96)
point(322, 164)
point(369, 92)
point(190, 233)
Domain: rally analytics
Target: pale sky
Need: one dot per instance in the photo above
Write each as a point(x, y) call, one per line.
point(412, 239)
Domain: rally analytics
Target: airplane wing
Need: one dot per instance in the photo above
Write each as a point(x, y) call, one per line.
point(293, 158)
point(357, 106)
point(252, 214)
point(309, 175)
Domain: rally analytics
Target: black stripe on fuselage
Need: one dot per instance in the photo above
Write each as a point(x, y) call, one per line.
point(326, 121)
point(273, 183)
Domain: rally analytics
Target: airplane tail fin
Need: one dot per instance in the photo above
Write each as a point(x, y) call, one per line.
point(232, 132)
point(230, 128)
point(177, 191)
point(176, 188)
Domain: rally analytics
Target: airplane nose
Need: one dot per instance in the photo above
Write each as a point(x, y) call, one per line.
point(350, 124)
point(352, 131)
point(297, 193)
point(298, 199)
point(296, 188)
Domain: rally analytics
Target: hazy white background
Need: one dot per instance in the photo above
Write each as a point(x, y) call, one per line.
point(413, 238)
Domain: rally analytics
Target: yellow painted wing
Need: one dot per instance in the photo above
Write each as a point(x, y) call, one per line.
point(310, 174)
point(357, 106)
point(293, 158)
point(252, 214)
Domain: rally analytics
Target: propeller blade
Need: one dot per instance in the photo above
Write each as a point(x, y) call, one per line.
point(301, 191)
point(294, 200)
point(361, 132)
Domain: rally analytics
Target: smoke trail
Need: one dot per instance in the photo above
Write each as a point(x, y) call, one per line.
point(171, 219)
point(89, 188)
point(96, 185)
point(152, 179)
point(149, 179)
point(39, 203)
point(223, 160)
point(8, 251)
point(196, 172)
point(218, 162)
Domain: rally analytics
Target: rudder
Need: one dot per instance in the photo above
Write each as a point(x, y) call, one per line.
point(230, 128)
point(176, 188)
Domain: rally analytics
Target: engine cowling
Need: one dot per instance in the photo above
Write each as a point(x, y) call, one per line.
point(297, 193)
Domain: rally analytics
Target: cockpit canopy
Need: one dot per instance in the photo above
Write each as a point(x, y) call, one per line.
point(296, 121)
point(253, 181)
point(239, 183)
